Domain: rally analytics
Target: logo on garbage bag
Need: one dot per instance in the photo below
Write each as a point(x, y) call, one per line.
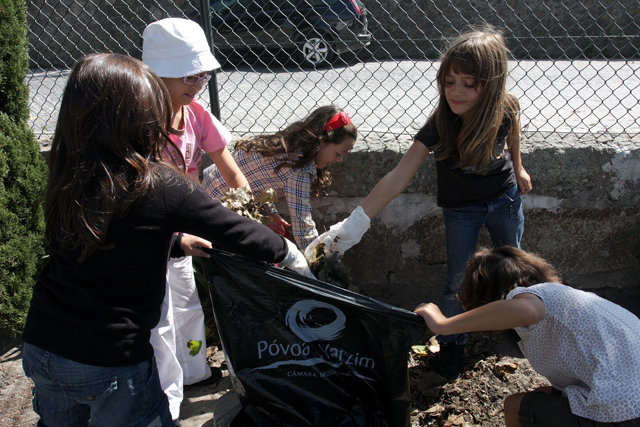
point(313, 320)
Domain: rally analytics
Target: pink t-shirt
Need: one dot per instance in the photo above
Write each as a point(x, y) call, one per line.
point(201, 131)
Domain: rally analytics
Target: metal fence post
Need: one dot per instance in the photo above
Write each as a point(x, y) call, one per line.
point(205, 14)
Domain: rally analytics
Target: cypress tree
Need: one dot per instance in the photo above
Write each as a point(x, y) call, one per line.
point(23, 173)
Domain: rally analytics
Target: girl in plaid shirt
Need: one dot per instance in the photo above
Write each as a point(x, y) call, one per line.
point(293, 162)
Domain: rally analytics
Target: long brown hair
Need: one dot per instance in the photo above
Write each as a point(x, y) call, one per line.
point(302, 140)
point(112, 126)
point(482, 54)
point(492, 273)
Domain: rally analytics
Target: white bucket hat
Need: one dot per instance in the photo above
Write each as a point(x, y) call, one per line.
point(176, 47)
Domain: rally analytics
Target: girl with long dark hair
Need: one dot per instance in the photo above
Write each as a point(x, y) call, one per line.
point(113, 208)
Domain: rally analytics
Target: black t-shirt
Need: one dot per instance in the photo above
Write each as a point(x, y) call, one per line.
point(101, 312)
point(460, 187)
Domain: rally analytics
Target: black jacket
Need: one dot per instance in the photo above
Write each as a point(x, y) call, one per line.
point(101, 312)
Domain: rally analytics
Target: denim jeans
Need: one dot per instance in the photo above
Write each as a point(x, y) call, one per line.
point(504, 220)
point(71, 394)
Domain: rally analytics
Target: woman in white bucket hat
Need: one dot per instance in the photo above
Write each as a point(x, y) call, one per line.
point(178, 51)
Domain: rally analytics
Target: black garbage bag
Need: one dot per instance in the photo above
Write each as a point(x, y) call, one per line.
point(302, 352)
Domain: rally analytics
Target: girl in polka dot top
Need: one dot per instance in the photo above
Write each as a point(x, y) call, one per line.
point(587, 347)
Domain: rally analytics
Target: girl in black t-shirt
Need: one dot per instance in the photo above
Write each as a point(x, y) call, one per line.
point(474, 133)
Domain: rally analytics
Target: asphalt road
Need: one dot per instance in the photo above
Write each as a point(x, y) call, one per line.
point(396, 96)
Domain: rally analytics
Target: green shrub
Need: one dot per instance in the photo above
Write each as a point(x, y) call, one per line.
point(23, 178)
point(14, 59)
point(23, 174)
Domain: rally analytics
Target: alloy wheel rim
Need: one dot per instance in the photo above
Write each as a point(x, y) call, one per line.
point(315, 50)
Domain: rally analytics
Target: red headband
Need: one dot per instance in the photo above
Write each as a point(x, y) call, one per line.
point(337, 121)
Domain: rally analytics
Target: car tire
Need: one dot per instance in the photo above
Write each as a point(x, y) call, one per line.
point(314, 50)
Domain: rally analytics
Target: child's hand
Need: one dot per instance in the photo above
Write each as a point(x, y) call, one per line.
point(524, 180)
point(277, 223)
point(342, 236)
point(432, 315)
point(192, 244)
point(294, 260)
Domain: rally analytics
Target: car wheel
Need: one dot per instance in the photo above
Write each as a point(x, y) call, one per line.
point(314, 50)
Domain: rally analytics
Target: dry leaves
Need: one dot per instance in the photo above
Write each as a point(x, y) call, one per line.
point(241, 201)
point(475, 400)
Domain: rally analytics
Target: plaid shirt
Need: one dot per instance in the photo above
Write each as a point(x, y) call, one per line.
point(292, 184)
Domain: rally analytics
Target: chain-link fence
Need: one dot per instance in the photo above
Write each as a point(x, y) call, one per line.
point(575, 64)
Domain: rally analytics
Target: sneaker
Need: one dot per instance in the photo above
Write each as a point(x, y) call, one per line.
point(450, 361)
point(213, 380)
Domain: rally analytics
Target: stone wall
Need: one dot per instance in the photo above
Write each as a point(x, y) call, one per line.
point(586, 194)
point(536, 29)
point(63, 31)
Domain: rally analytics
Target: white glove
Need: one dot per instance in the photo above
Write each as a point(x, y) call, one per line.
point(343, 235)
point(295, 260)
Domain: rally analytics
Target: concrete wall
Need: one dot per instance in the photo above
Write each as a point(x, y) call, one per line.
point(586, 194)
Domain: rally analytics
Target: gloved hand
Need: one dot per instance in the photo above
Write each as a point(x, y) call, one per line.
point(295, 260)
point(343, 235)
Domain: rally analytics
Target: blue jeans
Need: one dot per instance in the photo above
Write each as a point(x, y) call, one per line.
point(70, 394)
point(504, 220)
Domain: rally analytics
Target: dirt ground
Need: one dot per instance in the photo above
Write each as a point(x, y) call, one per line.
point(494, 368)
point(15, 388)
